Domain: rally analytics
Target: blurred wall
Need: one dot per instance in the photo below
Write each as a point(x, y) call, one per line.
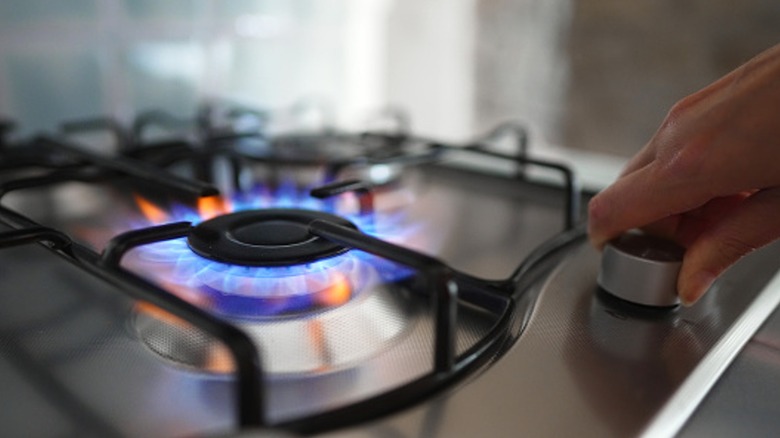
point(70, 59)
point(596, 75)
point(630, 61)
point(600, 75)
point(522, 65)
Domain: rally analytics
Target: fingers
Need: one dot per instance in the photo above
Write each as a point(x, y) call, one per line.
point(686, 228)
point(688, 183)
point(677, 116)
point(640, 160)
point(752, 225)
point(642, 197)
point(682, 119)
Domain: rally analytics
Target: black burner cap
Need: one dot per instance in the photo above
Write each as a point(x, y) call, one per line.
point(273, 237)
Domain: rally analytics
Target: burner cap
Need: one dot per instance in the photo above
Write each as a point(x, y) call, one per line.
point(272, 237)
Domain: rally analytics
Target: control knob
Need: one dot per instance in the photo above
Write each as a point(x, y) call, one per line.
point(642, 269)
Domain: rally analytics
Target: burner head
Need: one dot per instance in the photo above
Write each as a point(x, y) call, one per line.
point(272, 237)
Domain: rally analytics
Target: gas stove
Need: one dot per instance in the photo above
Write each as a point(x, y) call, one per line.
point(214, 277)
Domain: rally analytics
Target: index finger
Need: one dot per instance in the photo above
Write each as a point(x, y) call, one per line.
point(640, 198)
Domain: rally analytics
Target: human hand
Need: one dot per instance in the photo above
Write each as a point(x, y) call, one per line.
point(709, 178)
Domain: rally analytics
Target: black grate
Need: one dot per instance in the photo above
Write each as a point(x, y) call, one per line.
point(146, 161)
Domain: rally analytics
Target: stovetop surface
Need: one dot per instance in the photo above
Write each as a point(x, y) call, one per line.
point(86, 338)
point(588, 365)
point(575, 361)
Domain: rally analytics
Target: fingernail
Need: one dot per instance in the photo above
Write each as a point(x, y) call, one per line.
point(598, 214)
point(596, 243)
point(695, 287)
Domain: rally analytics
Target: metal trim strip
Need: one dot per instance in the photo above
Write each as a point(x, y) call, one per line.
point(671, 419)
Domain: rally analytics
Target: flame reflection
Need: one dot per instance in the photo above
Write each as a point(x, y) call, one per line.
point(339, 292)
point(246, 291)
point(215, 356)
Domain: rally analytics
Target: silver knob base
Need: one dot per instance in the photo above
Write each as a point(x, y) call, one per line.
point(642, 269)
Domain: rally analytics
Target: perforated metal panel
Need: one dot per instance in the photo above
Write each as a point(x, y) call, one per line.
point(588, 365)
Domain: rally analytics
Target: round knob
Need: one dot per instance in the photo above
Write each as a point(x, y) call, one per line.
point(642, 269)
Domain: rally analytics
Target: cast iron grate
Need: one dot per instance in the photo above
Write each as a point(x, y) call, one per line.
point(145, 162)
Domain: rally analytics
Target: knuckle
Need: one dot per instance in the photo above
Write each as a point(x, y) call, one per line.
point(682, 162)
point(678, 111)
point(679, 155)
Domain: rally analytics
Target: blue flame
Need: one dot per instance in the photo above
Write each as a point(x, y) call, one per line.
point(260, 291)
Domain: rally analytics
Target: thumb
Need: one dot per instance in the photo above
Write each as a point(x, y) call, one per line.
point(752, 225)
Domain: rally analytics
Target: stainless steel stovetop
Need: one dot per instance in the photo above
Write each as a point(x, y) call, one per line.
point(534, 346)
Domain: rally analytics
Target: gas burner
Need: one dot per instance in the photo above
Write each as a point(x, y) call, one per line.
point(251, 255)
point(271, 237)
